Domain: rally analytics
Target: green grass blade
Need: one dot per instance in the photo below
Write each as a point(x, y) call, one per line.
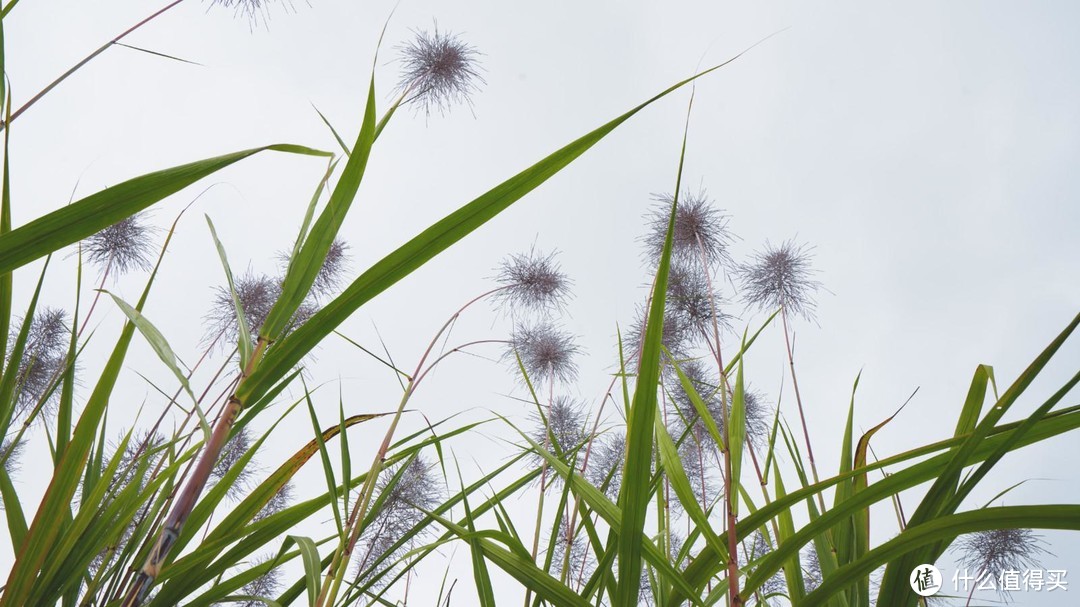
point(164, 351)
point(943, 529)
point(90, 215)
point(305, 267)
point(312, 565)
point(673, 470)
point(634, 493)
point(422, 248)
point(481, 576)
point(736, 438)
point(13, 511)
point(5, 201)
point(244, 343)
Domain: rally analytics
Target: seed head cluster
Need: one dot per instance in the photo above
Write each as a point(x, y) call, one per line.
point(532, 281)
point(405, 493)
point(438, 70)
point(998, 550)
point(781, 277)
point(565, 421)
point(122, 247)
point(547, 352)
point(44, 360)
point(258, 293)
point(331, 272)
point(231, 453)
point(775, 585)
point(253, 10)
point(580, 565)
point(10, 450)
point(689, 298)
point(701, 234)
point(606, 463)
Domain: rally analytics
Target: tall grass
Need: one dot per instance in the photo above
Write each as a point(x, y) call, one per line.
point(690, 497)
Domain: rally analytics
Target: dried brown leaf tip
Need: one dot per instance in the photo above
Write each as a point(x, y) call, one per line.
point(438, 70)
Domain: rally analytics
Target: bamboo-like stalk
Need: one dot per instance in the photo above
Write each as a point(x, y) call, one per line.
point(181, 509)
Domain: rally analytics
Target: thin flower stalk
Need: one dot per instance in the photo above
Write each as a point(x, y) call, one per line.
point(84, 61)
point(335, 574)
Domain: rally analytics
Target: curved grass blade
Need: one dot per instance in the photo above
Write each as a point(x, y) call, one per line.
point(74, 222)
point(304, 267)
point(55, 504)
point(425, 246)
point(942, 529)
point(244, 342)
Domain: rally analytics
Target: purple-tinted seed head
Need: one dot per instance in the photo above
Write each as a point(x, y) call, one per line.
point(438, 70)
point(606, 461)
point(532, 281)
point(546, 352)
point(565, 420)
point(701, 235)
point(43, 363)
point(781, 277)
point(993, 552)
point(124, 246)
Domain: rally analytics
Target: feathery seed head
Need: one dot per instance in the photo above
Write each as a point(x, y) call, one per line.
point(43, 362)
point(329, 277)
point(775, 585)
point(439, 70)
point(252, 10)
point(700, 465)
point(781, 277)
point(606, 463)
point(533, 281)
point(124, 246)
point(580, 563)
point(707, 389)
point(998, 550)
point(416, 489)
point(280, 501)
point(675, 335)
point(689, 298)
point(566, 422)
point(701, 230)
point(257, 294)
point(266, 586)
point(756, 412)
point(759, 417)
point(10, 450)
point(546, 352)
point(811, 569)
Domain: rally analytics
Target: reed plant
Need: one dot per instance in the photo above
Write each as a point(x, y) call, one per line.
point(681, 485)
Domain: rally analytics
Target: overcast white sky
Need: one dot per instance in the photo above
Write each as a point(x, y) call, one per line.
point(928, 150)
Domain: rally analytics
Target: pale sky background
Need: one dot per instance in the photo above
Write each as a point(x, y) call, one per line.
point(928, 151)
